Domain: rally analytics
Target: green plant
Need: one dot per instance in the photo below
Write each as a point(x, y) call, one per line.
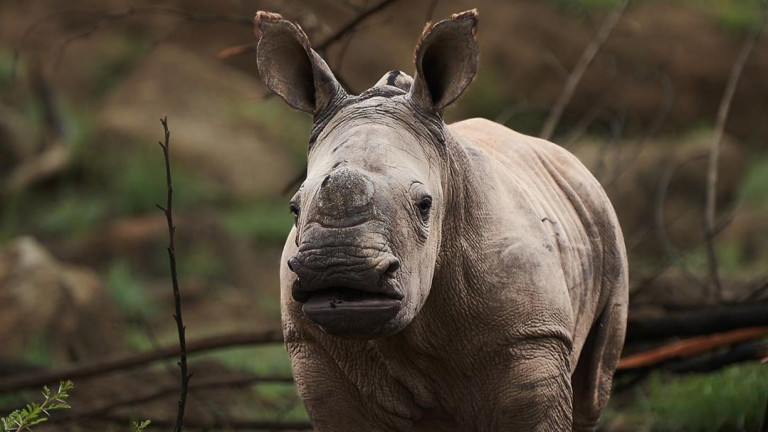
point(138, 426)
point(23, 419)
point(730, 399)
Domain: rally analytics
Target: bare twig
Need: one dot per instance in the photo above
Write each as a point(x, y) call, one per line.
point(322, 46)
point(352, 24)
point(581, 66)
point(714, 153)
point(181, 329)
point(125, 362)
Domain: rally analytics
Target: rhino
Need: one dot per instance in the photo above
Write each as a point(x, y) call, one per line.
point(460, 277)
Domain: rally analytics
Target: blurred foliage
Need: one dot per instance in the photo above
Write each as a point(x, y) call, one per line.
point(754, 189)
point(269, 360)
point(731, 399)
point(732, 15)
point(127, 290)
point(36, 351)
point(279, 123)
point(263, 221)
point(6, 67)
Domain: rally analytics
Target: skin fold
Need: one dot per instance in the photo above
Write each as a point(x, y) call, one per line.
point(459, 277)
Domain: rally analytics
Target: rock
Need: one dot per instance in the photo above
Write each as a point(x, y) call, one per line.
point(61, 308)
point(210, 108)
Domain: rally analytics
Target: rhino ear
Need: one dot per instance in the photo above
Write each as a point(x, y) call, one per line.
point(291, 68)
point(446, 60)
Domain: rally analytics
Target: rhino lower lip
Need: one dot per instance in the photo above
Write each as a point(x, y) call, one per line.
point(345, 311)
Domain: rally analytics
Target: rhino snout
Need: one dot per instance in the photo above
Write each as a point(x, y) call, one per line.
point(318, 271)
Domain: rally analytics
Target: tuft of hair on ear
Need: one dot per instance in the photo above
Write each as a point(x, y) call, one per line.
point(263, 19)
point(260, 18)
point(470, 15)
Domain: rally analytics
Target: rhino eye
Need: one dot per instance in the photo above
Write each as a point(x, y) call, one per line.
point(295, 211)
point(424, 206)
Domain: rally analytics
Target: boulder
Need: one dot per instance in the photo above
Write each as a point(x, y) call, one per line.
point(50, 309)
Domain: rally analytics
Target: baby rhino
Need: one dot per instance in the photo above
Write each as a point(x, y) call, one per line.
point(439, 277)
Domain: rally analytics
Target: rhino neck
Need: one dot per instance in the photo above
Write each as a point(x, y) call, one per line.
point(466, 204)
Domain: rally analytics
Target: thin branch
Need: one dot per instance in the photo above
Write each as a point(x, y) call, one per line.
point(714, 153)
point(237, 381)
point(322, 46)
point(181, 329)
point(352, 24)
point(129, 361)
point(231, 424)
point(581, 66)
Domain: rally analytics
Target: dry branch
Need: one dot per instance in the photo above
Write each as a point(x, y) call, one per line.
point(749, 351)
point(181, 329)
point(325, 44)
point(129, 361)
point(578, 71)
point(228, 424)
point(714, 154)
point(237, 381)
point(691, 347)
point(696, 323)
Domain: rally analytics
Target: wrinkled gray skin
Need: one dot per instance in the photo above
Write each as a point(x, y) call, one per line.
point(441, 278)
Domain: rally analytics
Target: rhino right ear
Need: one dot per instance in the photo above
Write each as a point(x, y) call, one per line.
point(291, 68)
point(446, 60)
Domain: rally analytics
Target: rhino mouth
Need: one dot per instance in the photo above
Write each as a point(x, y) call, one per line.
point(351, 312)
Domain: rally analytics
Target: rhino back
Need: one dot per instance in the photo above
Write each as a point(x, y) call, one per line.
point(566, 208)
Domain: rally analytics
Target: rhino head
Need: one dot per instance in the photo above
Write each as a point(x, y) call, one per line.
point(369, 217)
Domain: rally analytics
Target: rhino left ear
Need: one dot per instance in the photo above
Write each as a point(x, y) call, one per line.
point(291, 68)
point(446, 61)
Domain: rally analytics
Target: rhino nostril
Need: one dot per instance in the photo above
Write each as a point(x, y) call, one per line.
point(394, 265)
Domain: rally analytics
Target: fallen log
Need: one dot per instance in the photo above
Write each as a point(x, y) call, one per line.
point(129, 361)
point(698, 322)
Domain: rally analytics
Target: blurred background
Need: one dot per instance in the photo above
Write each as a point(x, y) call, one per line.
point(634, 89)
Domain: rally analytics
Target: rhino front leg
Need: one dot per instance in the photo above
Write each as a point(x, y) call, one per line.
point(532, 393)
point(346, 397)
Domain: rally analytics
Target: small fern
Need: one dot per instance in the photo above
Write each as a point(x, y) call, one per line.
point(23, 419)
point(137, 426)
